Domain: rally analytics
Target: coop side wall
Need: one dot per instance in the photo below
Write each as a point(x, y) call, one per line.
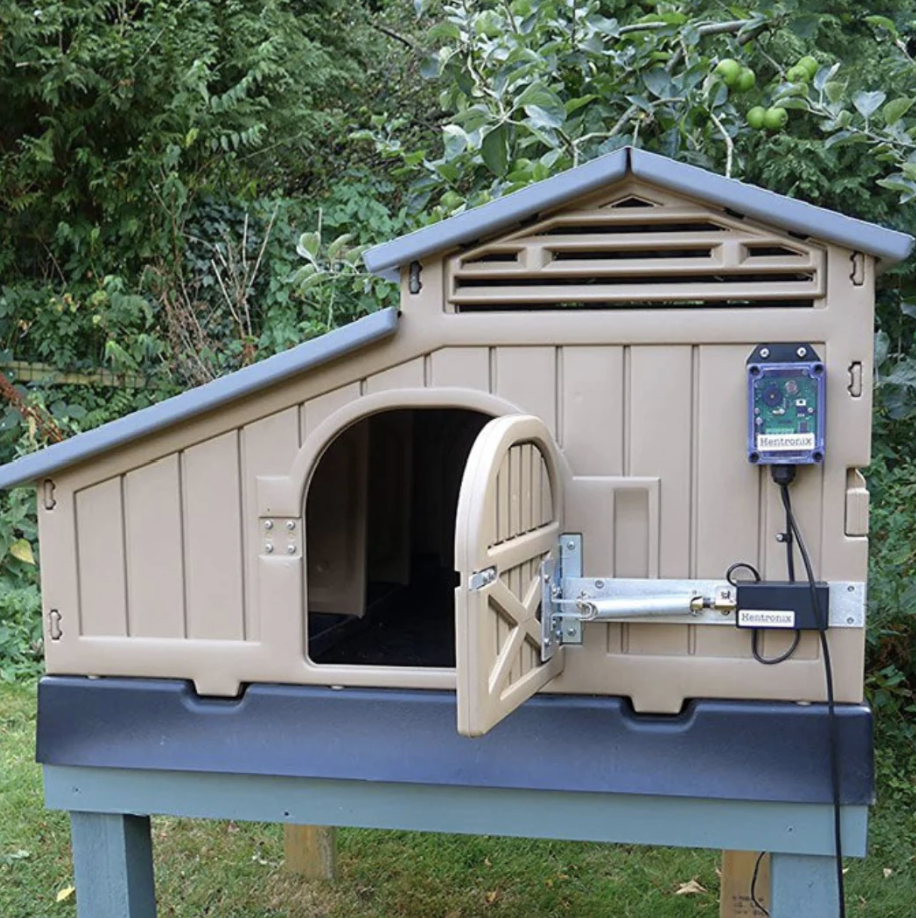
point(153, 561)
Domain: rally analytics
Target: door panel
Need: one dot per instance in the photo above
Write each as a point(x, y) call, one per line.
point(510, 516)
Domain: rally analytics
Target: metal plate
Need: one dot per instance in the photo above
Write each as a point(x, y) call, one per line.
point(847, 599)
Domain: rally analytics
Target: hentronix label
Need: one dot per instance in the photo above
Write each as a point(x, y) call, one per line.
point(785, 442)
point(764, 618)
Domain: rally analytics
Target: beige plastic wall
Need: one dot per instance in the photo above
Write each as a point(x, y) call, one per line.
point(155, 556)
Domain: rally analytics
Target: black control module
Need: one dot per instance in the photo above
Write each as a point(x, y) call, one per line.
point(778, 604)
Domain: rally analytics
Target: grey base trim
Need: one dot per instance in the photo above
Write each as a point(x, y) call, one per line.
point(723, 750)
point(632, 819)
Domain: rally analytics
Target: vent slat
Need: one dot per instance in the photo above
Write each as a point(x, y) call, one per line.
point(630, 256)
point(594, 293)
point(581, 270)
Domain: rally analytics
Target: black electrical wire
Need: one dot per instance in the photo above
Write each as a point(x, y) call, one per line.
point(831, 704)
point(784, 478)
point(756, 902)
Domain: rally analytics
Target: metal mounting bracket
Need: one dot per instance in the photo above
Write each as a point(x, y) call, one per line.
point(568, 600)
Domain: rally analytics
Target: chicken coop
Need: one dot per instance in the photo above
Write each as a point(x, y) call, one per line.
point(554, 471)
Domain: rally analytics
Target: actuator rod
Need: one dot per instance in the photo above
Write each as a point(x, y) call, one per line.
point(599, 610)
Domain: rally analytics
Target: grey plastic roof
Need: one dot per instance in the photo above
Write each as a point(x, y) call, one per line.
point(889, 246)
point(189, 404)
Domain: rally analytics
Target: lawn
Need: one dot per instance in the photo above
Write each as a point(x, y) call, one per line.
point(232, 870)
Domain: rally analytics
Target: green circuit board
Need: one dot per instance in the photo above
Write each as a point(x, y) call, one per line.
point(785, 402)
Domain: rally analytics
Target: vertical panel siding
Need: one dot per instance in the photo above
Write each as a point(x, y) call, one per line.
point(461, 367)
point(659, 443)
point(727, 500)
point(102, 576)
point(213, 539)
point(268, 447)
point(591, 409)
point(526, 376)
point(408, 375)
point(661, 434)
point(155, 562)
point(728, 485)
point(316, 410)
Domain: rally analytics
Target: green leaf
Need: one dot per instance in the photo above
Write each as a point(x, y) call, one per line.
point(308, 245)
point(22, 551)
point(868, 103)
point(495, 150)
point(896, 109)
point(575, 104)
point(882, 22)
point(882, 346)
point(658, 83)
point(834, 91)
point(543, 106)
point(430, 67)
point(455, 139)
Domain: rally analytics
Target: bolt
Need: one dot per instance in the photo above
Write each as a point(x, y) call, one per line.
point(268, 524)
point(290, 525)
point(571, 632)
point(780, 537)
point(291, 549)
point(764, 352)
point(801, 351)
point(269, 548)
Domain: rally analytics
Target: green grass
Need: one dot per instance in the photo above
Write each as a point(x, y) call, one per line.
point(233, 870)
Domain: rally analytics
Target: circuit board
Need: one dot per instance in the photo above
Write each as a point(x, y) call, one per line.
point(786, 402)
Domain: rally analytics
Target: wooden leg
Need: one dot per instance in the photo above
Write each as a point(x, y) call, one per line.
point(311, 851)
point(803, 884)
point(737, 876)
point(113, 866)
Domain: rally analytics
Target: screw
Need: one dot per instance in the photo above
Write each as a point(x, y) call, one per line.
point(810, 410)
point(764, 352)
point(849, 620)
point(291, 525)
point(801, 351)
point(571, 546)
point(268, 524)
point(780, 537)
point(850, 589)
point(269, 548)
point(571, 632)
point(599, 584)
point(291, 549)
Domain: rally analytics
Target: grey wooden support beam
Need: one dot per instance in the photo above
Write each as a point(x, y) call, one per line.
point(808, 879)
point(113, 866)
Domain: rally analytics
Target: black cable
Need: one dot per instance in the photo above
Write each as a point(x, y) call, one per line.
point(754, 899)
point(784, 477)
point(831, 707)
point(790, 552)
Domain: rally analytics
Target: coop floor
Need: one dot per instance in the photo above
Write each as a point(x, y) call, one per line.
point(403, 626)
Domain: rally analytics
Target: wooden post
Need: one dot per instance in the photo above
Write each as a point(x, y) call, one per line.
point(737, 874)
point(311, 851)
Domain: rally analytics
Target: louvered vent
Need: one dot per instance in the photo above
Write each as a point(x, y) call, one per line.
point(634, 254)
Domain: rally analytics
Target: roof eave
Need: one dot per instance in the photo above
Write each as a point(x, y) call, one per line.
point(190, 404)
